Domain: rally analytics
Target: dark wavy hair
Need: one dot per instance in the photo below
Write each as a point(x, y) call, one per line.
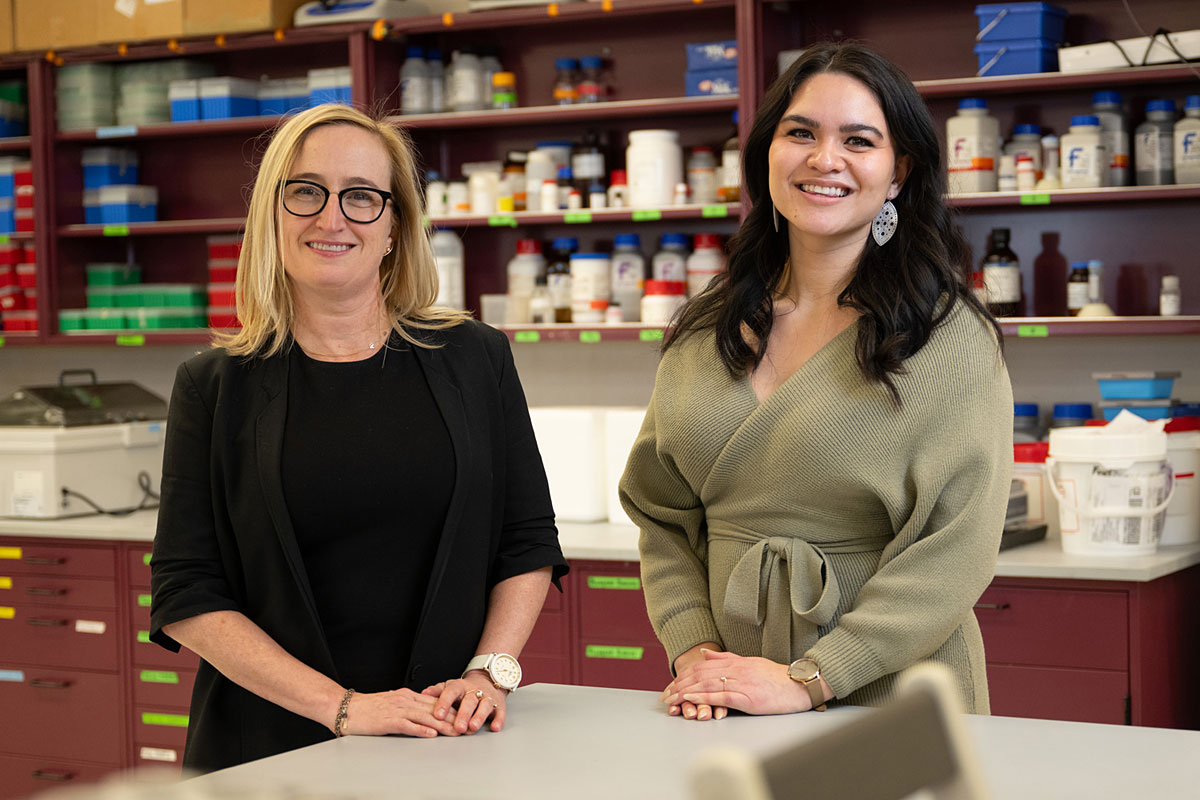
point(902, 290)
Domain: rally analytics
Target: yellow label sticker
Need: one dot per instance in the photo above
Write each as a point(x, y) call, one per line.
point(651, 335)
point(590, 337)
point(527, 336)
point(170, 720)
point(7, 612)
point(577, 217)
point(1033, 331)
point(715, 211)
point(143, 637)
point(131, 340)
point(158, 676)
point(146, 558)
point(144, 600)
point(606, 5)
point(115, 230)
point(10, 552)
point(613, 582)
point(5, 583)
point(613, 651)
point(552, 10)
point(647, 215)
point(1039, 199)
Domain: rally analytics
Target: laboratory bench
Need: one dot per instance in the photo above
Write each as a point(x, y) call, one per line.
point(1084, 639)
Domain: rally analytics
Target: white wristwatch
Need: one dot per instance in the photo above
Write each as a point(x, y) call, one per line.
point(503, 669)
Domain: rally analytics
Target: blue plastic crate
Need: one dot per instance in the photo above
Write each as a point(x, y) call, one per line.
point(8, 186)
point(97, 175)
point(1135, 385)
point(185, 110)
point(8, 221)
point(324, 95)
point(1006, 21)
point(1017, 57)
point(228, 107)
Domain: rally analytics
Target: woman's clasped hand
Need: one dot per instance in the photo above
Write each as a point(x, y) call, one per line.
point(449, 708)
point(706, 687)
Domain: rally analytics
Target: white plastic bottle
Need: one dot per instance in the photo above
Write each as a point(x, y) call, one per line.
point(628, 275)
point(448, 253)
point(1154, 145)
point(1115, 129)
point(1187, 142)
point(1170, 300)
point(464, 84)
point(1026, 141)
point(437, 80)
point(523, 271)
point(414, 83)
point(1084, 159)
point(670, 262)
point(1051, 176)
point(972, 138)
point(653, 166)
point(702, 176)
point(539, 167)
point(436, 200)
point(706, 262)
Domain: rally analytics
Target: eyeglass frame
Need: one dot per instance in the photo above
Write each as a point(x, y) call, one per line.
point(387, 196)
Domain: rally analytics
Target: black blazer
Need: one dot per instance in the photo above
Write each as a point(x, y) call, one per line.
point(225, 539)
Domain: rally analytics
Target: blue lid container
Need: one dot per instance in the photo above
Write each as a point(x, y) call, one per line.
point(1085, 119)
point(566, 63)
point(1035, 130)
point(674, 239)
point(1072, 411)
point(627, 240)
point(1146, 409)
point(1016, 58)
point(1193, 101)
point(1007, 21)
point(591, 62)
point(416, 52)
point(1025, 409)
point(1113, 98)
point(565, 243)
point(1160, 105)
point(972, 102)
point(1136, 385)
point(564, 173)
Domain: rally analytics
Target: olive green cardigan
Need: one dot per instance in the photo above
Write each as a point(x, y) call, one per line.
point(826, 522)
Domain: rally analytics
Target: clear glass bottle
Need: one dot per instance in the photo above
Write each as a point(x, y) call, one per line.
point(504, 90)
point(566, 84)
point(558, 276)
point(1002, 277)
point(1077, 287)
point(702, 175)
point(588, 164)
point(591, 86)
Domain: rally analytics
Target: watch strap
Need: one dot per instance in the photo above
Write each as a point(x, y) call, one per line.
point(815, 693)
point(481, 661)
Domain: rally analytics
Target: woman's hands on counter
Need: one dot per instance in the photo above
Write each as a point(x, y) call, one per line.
point(725, 680)
point(683, 667)
point(402, 711)
point(458, 702)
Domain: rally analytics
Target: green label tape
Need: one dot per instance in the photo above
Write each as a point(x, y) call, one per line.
point(116, 230)
point(527, 336)
point(647, 215)
point(503, 221)
point(590, 337)
point(613, 651)
point(613, 582)
point(159, 676)
point(651, 335)
point(1, 341)
point(170, 720)
point(116, 131)
point(714, 212)
point(131, 340)
point(1033, 331)
point(144, 600)
point(4, 238)
point(1040, 199)
point(577, 217)
point(146, 558)
point(144, 637)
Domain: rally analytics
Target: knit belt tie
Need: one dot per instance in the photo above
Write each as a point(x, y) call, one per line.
point(788, 602)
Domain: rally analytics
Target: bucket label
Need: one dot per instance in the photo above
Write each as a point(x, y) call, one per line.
point(1117, 490)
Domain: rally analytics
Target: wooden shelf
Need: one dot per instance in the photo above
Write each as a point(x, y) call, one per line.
point(715, 212)
point(10, 338)
point(537, 115)
point(164, 130)
point(133, 338)
point(583, 333)
point(1042, 327)
point(23, 236)
point(1048, 81)
point(543, 15)
point(208, 45)
point(1061, 197)
point(166, 228)
point(11, 144)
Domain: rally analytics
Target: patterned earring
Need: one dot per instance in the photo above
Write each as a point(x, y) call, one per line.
point(775, 216)
point(884, 226)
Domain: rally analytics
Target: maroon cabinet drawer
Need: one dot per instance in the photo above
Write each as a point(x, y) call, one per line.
point(25, 776)
point(1055, 627)
point(545, 669)
point(146, 653)
point(623, 664)
point(55, 590)
point(611, 604)
point(550, 636)
point(56, 559)
point(1075, 695)
point(168, 688)
point(137, 562)
point(62, 637)
point(160, 727)
point(157, 756)
point(67, 714)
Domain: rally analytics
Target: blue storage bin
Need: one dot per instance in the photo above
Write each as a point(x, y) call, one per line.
point(1146, 409)
point(91, 206)
point(1136, 385)
point(106, 166)
point(185, 100)
point(1004, 21)
point(124, 204)
point(8, 221)
point(1017, 57)
point(8, 187)
point(226, 98)
point(700, 83)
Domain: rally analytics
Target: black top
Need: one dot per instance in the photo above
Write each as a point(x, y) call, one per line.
point(367, 472)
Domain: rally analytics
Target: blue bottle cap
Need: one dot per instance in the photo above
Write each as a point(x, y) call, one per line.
point(564, 172)
point(1072, 410)
point(1113, 98)
point(591, 62)
point(1025, 409)
point(565, 243)
point(674, 238)
point(595, 188)
point(433, 175)
point(566, 63)
point(972, 102)
point(1193, 101)
point(627, 240)
point(1024, 130)
point(1079, 265)
point(736, 118)
point(434, 54)
point(588, 256)
point(1160, 105)
point(553, 143)
point(415, 52)
point(1085, 119)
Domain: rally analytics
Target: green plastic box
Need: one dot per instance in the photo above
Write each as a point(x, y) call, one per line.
point(72, 319)
point(130, 296)
point(101, 297)
point(113, 274)
point(104, 319)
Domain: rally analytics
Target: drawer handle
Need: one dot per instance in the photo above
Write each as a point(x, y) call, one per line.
point(47, 623)
point(56, 561)
point(992, 606)
point(35, 591)
point(38, 683)
point(52, 775)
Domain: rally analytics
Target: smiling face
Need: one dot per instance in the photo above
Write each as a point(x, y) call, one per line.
point(327, 255)
point(832, 163)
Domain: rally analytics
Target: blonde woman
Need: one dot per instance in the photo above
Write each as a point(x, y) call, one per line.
point(354, 515)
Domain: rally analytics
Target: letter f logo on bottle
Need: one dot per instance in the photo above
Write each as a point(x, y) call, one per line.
point(1189, 142)
point(1074, 156)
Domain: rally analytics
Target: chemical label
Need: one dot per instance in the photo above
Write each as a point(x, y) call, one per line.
point(27, 493)
point(158, 754)
point(1002, 282)
point(170, 720)
point(90, 626)
point(527, 336)
point(651, 335)
point(613, 651)
point(970, 154)
point(1116, 489)
point(13, 553)
point(647, 215)
point(589, 337)
point(158, 676)
point(613, 582)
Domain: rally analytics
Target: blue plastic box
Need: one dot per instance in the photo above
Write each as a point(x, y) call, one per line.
point(1000, 22)
point(1146, 409)
point(712, 55)
point(185, 100)
point(107, 166)
point(1136, 385)
point(700, 83)
point(124, 204)
point(1016, 57)
point(226, 98)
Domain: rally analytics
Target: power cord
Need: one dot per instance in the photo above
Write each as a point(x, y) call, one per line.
point(1163, 32)
point(148, 493)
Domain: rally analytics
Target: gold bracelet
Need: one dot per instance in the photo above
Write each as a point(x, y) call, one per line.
point(339, 722)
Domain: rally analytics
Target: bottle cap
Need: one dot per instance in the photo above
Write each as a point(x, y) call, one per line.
point(1170, 282)
point(595, 188)
point(553, 143)
point(627, 240)
point(1031, 452)
point(415, 52)
point(702, 150)
point(566, 63)
point(708, 241)
point(1023, 159)
point(665, 287)
point(1107, 98)
point(1193, 101)
point(1085, 119)
point(591, 62)
point(677, 239)
point(434, 54)
point(1073, 410)
point(1160, 105)
point(618, 178)
point(528, 247)
point(433, 175)
point(588, 257)
point(1095, 264)
point(1000, 234)
point(1025, 409)
point(1079, 265)
point(564, 172)
point(566, 243)
point(1027, 130)
point(972, 102)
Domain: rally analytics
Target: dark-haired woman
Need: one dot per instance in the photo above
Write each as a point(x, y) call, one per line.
point(822, 477)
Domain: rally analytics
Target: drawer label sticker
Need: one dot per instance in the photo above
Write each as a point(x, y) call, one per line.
point(651, 335)
point(144, 600)
point(169, 720)
point(90, 626)
point(7, 612)
point(613, 651)
point(146, 558)
point(12, 675)
point(144, 637)
point(5, 583)
point(10, 552)
point(613, 582)
point(158, 754)
point(159, 676)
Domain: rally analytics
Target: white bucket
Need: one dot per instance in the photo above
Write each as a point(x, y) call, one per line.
point(1183, 517)
point(1112, 489)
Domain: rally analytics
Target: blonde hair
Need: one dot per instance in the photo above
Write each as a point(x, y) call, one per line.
point(407, 275)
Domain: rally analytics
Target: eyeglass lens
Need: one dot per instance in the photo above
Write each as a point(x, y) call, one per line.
point(306, 199)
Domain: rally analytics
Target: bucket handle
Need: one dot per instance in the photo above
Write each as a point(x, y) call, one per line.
point(986, 29)
point(1113, 511)
point(984, 69)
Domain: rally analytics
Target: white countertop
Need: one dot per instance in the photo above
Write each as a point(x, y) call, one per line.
point(585, 742)
point(601, 541)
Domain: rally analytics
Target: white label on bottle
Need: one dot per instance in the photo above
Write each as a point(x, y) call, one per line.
point(628, 272)
point(1077, 295)
point(970, 154)
point(1187, 156)
point(26, 493)
point(1002, 282)
point(414, 95)
point(587, 166)
point(1169, 304)
point(670, 267)
point(1116, 144)
point(559, 285)
point(1081, 165)
point(703, 183)
point(1152, 151)
point(90, 626)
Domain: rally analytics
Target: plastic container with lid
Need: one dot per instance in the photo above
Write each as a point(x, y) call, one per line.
point(464, 81)
point(1084, 159)
point(504, 90)
point(662, 300)
point(1187, 142)
point(1026, 141)
point(591, 86)
point(591, 286)
point(1027, 426)
point(670, 262)
point(1114, 129)
point(414, 83)
point(1170, 298)
point(1154, 145)
point(705, 263)
point(109, 274)
point(1182, 525)
point(124, 203)
point(628, 275)
point(448, 254)
point(1029, 467)
point(1149, 385)
point(184, 96)
point(702, 175)
point(524, 269)
point(653, 165)
point(91, 206)
point(107, 166)
point(1146, 409)
point(539, 167)
point(971, 142)
point(225, 98)
point(558, 276)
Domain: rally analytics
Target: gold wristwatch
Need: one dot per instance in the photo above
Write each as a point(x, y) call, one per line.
point(806, 671)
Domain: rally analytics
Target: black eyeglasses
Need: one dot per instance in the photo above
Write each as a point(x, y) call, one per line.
point(360, 204)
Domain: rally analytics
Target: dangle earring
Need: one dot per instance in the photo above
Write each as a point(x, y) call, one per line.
point(884, 226)
point(775, 216)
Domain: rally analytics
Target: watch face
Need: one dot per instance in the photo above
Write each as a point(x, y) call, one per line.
point(506, 672)
point(803, 669)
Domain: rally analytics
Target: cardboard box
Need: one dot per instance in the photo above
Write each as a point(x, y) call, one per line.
point(133, 20)
point(712, 55)
point(230, 16)
point(54, 24)
point(711, 81)
point(6, 26)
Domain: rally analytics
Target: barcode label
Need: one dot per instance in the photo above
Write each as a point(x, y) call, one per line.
point(1115, 489)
